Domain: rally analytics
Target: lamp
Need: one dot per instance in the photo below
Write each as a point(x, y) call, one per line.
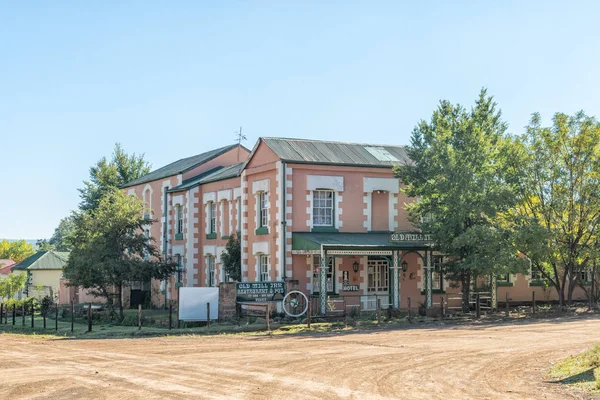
point(404, 266)
point(355, 266)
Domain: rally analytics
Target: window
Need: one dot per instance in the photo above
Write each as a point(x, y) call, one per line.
point(437, 277)
point(584, 276)
point(263, 268)
point(378, 270)
point(239, 214)
point(536, 275)
point(323, 208)
point(504, 278)
point(179, 211)
point(263, 209)
point(212, 216)
point(179, 262)
point(317, 278)
point(210, 278)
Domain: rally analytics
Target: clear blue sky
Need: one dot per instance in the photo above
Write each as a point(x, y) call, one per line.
point(173, 79)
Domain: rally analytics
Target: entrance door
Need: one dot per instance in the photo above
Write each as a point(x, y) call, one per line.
point(378, 282)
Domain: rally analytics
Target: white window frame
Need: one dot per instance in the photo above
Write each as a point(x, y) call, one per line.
point(239, 214)
point(211, 271)
point(212, 217)
point(263, 268)
point(263, 209)
point(327, 209)
point(317, 278)
point(179, 212)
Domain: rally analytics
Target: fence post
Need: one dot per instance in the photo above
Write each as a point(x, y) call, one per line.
point(533, 301)
point(1, 311)
point(345, 319)
point(507, 306)
point(309, 312)
point(6, 316)
point(378, 311)
point(268, 318)
point(208, 315)
point(178, 320)
point(90, 317)
point(478, 306)
point(14, 312)
point(443, 306)
point(44, 318)
point(139, 316)
point(56, 319)
point(72, 315)
point(23, 314)
point(170, 315)
point(32, 315)
point(409, 312)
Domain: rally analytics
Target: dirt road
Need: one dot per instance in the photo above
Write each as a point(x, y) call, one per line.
point(481, 362)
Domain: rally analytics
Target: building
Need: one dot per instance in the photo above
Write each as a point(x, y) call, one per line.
point(328, 218)
point(6, 266)
point(44, 271)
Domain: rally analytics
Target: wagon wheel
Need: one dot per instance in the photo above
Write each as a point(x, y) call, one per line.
point(295, 303)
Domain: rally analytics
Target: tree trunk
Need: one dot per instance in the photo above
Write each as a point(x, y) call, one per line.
point(466, 289)
point(571, 290)
point(120, 302)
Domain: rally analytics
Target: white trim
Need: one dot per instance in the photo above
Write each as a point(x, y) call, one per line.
point(224, 195)
point(359, 252)
point(230, 211)
point(309, 210)
point(260, 186)
point(237, 192)
point(208, 197)
point(210, 249)
point(338, 210)
point(219, 229)
point(309, 273)
point(278, 262)
point(391, 185)
point(178, 249)
point(175, 200)
point(192, 251)
point(288, 233)
point(335, 183)
point(393, 212)
point(243, 226)
point(367, 201)
point(164, 221)
point(260, 248)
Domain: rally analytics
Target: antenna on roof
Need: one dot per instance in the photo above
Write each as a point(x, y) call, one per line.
point(239, 137)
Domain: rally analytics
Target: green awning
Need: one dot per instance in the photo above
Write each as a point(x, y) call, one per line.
point(311, 241)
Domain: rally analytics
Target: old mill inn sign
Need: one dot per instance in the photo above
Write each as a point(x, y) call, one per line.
point(409, 237)
point(248, 292)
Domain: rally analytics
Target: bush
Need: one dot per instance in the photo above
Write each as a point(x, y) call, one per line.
point(46, 304)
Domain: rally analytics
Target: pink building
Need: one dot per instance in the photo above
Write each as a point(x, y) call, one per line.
point(327, 218)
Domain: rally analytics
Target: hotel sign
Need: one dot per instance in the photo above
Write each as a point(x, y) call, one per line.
point(350, 288)
point(409, 237)
point(256, 292)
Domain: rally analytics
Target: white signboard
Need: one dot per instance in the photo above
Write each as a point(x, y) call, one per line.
point(193, 300)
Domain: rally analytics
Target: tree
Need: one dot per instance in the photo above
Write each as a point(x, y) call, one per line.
point(108, 175)
point(16, 251)
point(559, 201)
point(231, 258)
point(110, 251)
point(11, 285)
point(61, 238)
point(43, 244)
point(460, 177)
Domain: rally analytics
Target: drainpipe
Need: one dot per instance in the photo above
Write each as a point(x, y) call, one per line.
point(283, 222)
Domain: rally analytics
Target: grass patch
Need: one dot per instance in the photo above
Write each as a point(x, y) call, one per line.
point(580, 371)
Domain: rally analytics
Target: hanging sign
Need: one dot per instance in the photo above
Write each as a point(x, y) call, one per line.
point(407, 236)
point(259, 291)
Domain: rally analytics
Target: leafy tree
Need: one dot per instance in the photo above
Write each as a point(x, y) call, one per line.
point(461, 179)
point(11, 285)
point(231, 258)
point(43, 244)
point(108, 175)
point(559, 202)
point(16, 251)
point(61, 238)
point(110, 251)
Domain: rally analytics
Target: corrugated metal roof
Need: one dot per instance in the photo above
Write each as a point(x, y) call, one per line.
point(215, 174)
point(46, 259)
point(180, 166)
point(339, 153)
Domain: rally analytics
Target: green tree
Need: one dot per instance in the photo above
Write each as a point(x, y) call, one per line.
point(61, 238)
point(231, 258)
point(460, 176)
point(559, 202)
point(110, 250)
point(11, 285)
point(108, 175)
point(43, 244)
point(16, 251)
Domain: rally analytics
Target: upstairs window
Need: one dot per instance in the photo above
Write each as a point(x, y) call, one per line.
point(212, 216)
point(263, 209)
point(179, 216)
point(323, 208)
